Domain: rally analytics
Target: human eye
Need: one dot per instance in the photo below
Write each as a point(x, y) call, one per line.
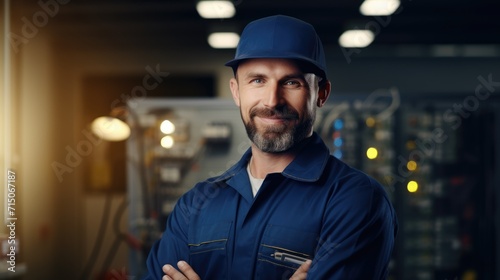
point(292, 83)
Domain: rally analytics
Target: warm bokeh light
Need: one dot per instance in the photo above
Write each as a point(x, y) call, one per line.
point(167, 142)
point(412, 186)
point(215, 9)
point(167, 127)
point(356, 38)
point(110, 129)
point(379, 7)
point(410, 145)
point(372, 153)
point(223, 40)
point(411, 165)
point(370, 122)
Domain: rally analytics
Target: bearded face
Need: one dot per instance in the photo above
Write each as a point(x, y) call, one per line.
point(280, 136)
point(277, 102)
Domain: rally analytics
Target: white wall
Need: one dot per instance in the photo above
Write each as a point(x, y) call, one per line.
point(37, 188)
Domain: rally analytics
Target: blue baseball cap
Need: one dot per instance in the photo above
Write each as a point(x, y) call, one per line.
point(281, 37)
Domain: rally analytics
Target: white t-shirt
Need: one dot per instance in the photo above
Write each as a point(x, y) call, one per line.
point(256, 183)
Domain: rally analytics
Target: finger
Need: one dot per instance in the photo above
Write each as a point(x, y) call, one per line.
point(172, 273)
point(301, 272)
point(187, 270)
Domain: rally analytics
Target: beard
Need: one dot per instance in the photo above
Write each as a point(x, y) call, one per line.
point(281, 137)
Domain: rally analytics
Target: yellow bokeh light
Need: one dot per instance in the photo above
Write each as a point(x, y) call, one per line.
point(370, 122)
point(371, 153)
point(412, 186)
point(410, 145)
point(167, 142)
point(411, 165)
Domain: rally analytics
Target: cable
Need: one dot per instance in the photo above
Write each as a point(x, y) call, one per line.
point(119, 236)
point(98, 241)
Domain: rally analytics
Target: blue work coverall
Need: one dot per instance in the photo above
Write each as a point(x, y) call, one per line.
point(318, 208)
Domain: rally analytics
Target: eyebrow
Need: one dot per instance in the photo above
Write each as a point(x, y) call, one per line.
point(298, 75)
point(253, 75)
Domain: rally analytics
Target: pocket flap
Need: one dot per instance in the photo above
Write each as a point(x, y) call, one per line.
point(210, 237)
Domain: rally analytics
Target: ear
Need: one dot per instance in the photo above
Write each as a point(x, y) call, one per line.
point(233, 85)
point(323, 93)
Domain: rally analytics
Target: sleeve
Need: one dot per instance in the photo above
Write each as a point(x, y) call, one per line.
point(173, 245)
point(358, 234)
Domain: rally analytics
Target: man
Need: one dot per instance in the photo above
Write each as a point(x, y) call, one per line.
point(287, 209)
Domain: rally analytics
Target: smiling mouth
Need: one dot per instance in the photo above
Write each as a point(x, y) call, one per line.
point(273, 116)
point(274, 119)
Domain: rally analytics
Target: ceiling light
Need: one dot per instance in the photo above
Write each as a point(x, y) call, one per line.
point(356, 38)
point(223, 40)
point(215, 9)
point(379, 7)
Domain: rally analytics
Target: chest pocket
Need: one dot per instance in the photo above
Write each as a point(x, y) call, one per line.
point(207, 249)
point(283, 250)
point(209, 237)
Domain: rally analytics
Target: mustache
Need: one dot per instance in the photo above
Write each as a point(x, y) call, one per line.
point(282, 113)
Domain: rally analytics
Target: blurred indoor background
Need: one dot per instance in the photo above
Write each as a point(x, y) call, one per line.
point(415, 103)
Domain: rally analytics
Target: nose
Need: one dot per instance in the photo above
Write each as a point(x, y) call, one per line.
point(273, 96)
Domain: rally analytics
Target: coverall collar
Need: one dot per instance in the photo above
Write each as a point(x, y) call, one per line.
point(307, 166)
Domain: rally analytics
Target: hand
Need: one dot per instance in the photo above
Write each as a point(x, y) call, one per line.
point(186, 273)
point(301, 273)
